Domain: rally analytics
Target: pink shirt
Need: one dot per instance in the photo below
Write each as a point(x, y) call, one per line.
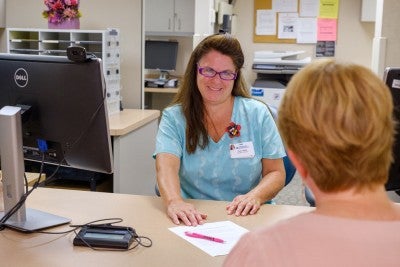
point(317, 240)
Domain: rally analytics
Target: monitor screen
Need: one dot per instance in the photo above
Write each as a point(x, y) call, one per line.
point(52, 110)
point(392, 80)
point(161, 55)
point(63, 108)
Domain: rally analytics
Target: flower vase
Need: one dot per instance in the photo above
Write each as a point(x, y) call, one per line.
point(66, 24)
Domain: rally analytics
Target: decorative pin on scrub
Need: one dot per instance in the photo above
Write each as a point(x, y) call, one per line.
point(233, 129)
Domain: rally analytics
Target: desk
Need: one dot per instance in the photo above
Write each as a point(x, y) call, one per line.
point(144, 213)
point(30, 177)
point(158, 98)
point(161, 90)
point(134, 133)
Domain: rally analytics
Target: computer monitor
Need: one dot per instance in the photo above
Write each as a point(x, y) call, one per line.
point(162, 56)
point(58, 107)
point(392, 80)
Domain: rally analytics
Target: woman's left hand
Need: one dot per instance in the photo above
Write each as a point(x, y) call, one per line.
point(243, 205)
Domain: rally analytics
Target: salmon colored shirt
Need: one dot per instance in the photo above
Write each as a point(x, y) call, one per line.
point(317, 240)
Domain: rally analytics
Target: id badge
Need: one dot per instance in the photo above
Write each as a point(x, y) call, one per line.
point(242, 150)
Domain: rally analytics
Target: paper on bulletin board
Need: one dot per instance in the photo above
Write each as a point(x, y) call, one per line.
point(287, 25)
point(284, 5)
point(309, 8)
point(307, 31)
point(329, 9)
point(266, 22)
point(327, 30)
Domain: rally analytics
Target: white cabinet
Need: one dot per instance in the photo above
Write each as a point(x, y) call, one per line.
point(184, 16)
point(2, 13)
point(368, 10)
point(159, 15)
point(103, 44)
point(177, 17)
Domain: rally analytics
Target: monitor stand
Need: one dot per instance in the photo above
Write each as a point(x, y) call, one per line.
point(12, 163)
point(35, 220)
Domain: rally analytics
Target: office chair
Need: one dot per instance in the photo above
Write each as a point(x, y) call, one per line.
point(391, 77)
point(289, 167)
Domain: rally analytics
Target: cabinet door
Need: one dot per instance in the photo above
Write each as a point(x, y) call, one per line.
point(368, 10)
point(159, 15)
point(2, 13)
point(184, 16)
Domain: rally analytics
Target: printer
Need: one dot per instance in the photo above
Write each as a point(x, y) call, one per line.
point(274, 70)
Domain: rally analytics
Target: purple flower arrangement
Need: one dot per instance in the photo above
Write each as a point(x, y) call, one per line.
point(59, 11)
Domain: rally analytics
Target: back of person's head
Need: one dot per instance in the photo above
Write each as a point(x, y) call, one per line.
point(337, 118)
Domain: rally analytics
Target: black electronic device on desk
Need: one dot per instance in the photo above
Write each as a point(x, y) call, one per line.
point(105, 236)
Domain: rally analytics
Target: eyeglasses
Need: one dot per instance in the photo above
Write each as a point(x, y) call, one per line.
point(210, 72)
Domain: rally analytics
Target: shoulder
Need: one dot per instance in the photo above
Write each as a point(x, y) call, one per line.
point(175, 109)
point(260, 246)
point(173, 112)
point(289, 225)
point(253, 109)
point(251, 104)
point(250, 101)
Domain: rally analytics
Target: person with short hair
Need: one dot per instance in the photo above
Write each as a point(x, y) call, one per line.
point(215, 141)
point(336, 123)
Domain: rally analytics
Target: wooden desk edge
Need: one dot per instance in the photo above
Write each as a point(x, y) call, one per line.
point(166, 90)
point(127, 121)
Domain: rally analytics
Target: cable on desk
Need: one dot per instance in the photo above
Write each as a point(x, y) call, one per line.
point(143, 241)
point(138, 240)
point(28, 191)
point(22, 199)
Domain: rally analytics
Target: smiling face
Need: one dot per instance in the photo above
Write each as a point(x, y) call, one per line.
point(215, 90)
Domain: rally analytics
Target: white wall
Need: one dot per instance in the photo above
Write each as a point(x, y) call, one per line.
point(125, 15)
point(390, 30)
point(354, 37)
point(354, 41)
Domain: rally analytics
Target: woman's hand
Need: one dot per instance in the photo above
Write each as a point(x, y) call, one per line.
point(167, 166)
point(272, 182)
point(180, 210)
point(243, 205)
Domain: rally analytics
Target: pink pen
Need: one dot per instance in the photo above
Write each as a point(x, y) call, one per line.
point(196, 235)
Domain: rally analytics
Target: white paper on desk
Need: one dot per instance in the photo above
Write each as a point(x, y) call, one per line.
point(226, 230)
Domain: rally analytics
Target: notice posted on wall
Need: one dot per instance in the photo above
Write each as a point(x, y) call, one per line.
point(325, 49)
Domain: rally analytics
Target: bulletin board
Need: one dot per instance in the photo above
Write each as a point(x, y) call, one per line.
point(266, 4)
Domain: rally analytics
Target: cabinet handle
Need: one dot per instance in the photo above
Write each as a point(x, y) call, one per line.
point(169, 24)
point(179, 24)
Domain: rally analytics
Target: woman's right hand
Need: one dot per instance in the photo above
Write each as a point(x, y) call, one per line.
point(167, 166)
point(180, 210)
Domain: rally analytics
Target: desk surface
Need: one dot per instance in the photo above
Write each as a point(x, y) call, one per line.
point(130, 119)
point(144, 213)
point(161, 90)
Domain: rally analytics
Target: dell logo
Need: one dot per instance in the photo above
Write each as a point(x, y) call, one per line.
point(21, 77)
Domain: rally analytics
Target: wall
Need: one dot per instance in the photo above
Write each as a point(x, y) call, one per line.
point(390, 30)
point(96, 15)
point(354, 37)
point(354, 41)
point(2, 13)
point(2, 24)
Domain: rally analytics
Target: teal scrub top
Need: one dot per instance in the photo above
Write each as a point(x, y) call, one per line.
point(212, 173)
